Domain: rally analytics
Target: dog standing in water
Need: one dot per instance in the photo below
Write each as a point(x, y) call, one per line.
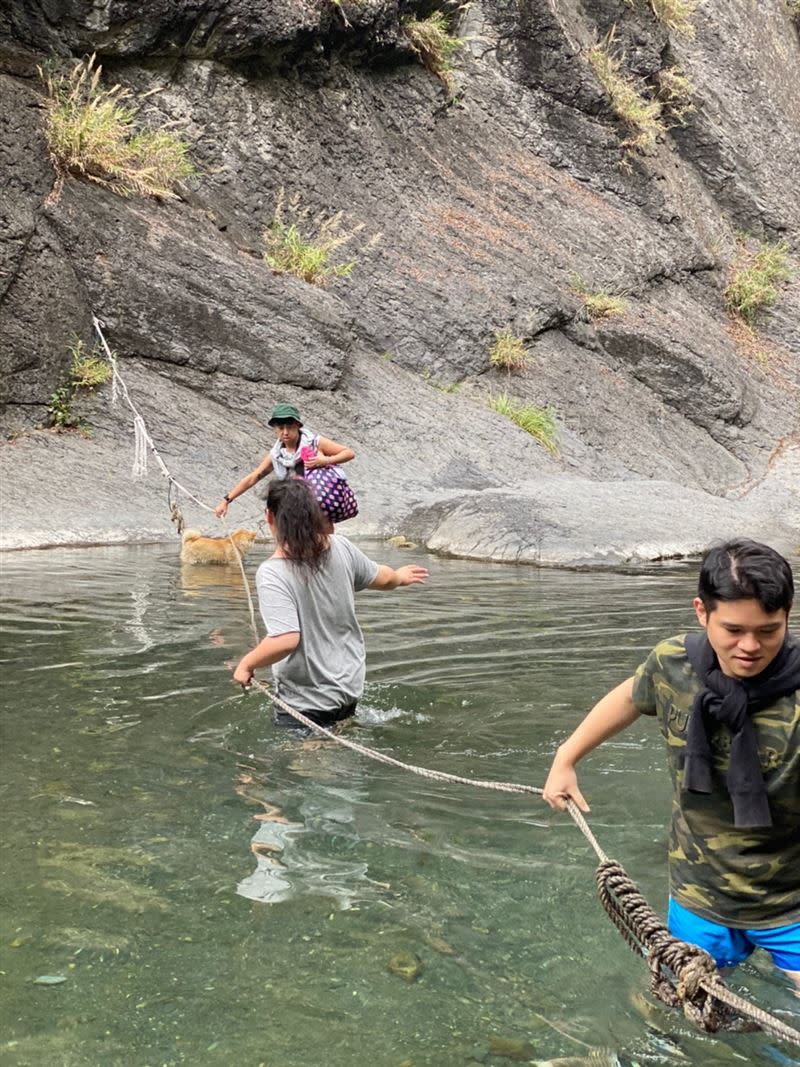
point(196, 548)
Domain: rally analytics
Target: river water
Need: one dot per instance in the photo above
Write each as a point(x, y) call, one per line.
point(183, 883)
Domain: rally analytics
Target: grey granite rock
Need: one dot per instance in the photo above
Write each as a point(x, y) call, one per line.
point(673, 428)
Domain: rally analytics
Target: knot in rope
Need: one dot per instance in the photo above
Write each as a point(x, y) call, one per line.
point(697, 966)
point(682, 975)
point(175, 513)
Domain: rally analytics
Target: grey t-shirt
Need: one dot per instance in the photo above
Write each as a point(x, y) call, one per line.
point(326, 670)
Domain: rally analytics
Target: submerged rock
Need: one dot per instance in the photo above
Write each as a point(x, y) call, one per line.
point(406, 965)
point(400, 542)
point(510, 1048)
point(88, 942)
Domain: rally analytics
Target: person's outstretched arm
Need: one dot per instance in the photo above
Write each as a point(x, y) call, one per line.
point(249, 480)
point(330, 453)
point(387, 578)
point(611, 714)
point(270, 650)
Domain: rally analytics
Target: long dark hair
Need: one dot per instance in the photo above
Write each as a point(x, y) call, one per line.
point(300, 527)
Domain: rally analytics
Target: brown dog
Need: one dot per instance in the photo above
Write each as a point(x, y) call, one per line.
point(198, 549)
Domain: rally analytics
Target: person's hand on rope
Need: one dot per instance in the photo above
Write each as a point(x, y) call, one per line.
point(562, 785)
point(243, 675)
point(221, 509)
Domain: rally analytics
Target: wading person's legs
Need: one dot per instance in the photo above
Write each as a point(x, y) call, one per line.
point(730, 947)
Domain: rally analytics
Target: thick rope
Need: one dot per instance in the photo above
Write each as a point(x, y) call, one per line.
point(699, 989)
point(697, 981)
point(427, 772)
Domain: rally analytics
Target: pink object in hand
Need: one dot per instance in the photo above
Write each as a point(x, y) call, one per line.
point(307, 453)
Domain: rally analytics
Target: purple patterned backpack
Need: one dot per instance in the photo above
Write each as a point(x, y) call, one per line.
point(335, 496)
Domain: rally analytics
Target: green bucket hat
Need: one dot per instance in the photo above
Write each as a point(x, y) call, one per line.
point(285, 413)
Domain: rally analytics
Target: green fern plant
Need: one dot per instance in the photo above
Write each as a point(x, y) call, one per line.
point(87, 370)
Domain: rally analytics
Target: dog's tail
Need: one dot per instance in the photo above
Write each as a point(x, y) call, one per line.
point(191, 535)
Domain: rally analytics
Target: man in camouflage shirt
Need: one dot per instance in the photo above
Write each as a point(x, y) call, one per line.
point(728, 703)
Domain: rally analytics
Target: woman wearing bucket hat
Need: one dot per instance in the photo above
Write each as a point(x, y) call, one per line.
point(299, 451)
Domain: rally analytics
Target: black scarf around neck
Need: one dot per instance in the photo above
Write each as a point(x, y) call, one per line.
point(732, 702)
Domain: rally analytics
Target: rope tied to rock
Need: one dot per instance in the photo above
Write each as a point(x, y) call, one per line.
point(682, 975)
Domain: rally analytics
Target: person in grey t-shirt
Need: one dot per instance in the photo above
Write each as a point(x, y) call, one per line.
point(306, 594)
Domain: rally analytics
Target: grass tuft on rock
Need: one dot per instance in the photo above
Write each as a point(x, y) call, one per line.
point(305, 245)
point(88, 368)
point(640, 115)
point(434, 45)
point(598, 304)
point(91, 132)
point(753, 285)
point(508, 351)
point(537, 421)
point(676, 93)
point(676, 15)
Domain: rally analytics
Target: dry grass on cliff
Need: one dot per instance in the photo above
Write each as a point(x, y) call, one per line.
point(508, 351)
point(753, 285)
point(676, 15)
point(303, 244)
point(91, 132)
point(434, 45)
point(640, 115)
point(598, 303)
point(676, 93)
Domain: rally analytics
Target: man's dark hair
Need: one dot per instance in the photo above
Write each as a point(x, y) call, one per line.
point(746, 570)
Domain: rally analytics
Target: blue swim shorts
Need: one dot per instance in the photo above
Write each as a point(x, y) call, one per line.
point(730, 947)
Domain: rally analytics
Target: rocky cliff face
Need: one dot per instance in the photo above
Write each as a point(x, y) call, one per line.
point(674, 427)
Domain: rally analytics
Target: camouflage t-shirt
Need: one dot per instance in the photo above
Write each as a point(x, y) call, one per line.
point(747, 879)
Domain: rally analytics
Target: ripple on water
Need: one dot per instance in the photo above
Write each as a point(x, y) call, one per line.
point(196, 874)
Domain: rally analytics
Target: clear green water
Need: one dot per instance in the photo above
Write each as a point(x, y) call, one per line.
point(217, 893)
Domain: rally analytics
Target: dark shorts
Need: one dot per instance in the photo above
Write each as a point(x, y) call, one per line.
point(322, 718)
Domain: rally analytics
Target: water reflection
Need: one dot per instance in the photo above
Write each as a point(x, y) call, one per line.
point(199, 581)
point(294, 857)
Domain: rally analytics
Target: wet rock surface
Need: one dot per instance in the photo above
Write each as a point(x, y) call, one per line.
point(671, 432)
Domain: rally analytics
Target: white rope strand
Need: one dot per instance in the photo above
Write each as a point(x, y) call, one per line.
point(143, 439)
